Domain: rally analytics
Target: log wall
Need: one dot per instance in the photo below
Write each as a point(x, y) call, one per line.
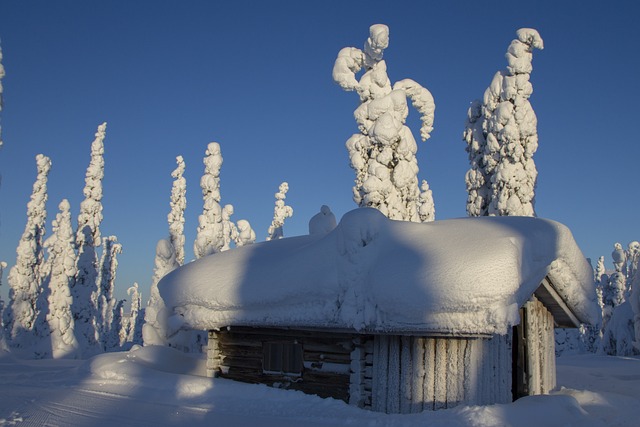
point(413, 374)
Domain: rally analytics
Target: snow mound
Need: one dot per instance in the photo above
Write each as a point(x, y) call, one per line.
point(460, 276)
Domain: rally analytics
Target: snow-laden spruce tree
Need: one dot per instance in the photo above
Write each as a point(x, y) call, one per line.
point(103, 294)
point(215, 229)
point(1, 90)
point(178, 205)
point(501, 136)
point(120, 324)
point(210, 237)
point(26, 276)
point(383, 154)
point(61, 262)
point(154, 330)
point(280, 213)
point(136, 315)
point(87, 239)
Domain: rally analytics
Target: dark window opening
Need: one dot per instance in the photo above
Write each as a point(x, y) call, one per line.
point(282, 358)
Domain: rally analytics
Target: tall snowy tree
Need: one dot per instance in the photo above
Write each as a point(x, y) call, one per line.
point(216, 230)
point(178, 206)
point(103, 295)
point(154, 330)
point(280, 213)
point(87, 239)
point(61, 263)
point(501, 136)
point(26, 276)
point(383, 154)
point(210, 238)
point(136, 315)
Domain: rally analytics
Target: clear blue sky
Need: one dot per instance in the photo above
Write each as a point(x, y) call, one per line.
point(171, 76)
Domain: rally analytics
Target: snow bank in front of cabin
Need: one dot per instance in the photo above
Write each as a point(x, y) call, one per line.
point(465, 275)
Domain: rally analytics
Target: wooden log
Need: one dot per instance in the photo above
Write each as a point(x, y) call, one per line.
point(430, 374)
point(418, 373)
point(440, 386)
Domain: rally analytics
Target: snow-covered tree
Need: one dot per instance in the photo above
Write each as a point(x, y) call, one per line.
point(87, 239)
point(26, 276)
point(136, 315)
point(210, 237)
point(61, 263)
point(178, 206)
point(280, 213)
point(154, 331)
point(120, 324)
point(383, 154)
point(215, 229)
point(427, 208)
point(103, 295)
point(634, 301)
point(501, 136)
point(1, 90)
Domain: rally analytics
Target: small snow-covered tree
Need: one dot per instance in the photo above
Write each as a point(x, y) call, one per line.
point(210, 237)
point(136, 315)
point(26, 276)
point(280, 213)
point(634, 301)
point(62, 269)
point(501, 136)
point(178, 206)
point(383, 154)
point(154, 330)
point(103, 295)
point(427, 208)
point(87, 239)
point(215, 229)
point(120, 324)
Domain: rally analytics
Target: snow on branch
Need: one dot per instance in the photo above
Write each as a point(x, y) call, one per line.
point(383, 154)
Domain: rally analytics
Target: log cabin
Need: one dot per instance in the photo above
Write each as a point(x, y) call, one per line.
point(392, 316)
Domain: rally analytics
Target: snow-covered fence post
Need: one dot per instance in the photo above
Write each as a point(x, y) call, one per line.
point(87, 239)
point(280, 213)
point(178, 206)
point(501, 137)
point(383, 154)
point(26, 276)
point(62, 270)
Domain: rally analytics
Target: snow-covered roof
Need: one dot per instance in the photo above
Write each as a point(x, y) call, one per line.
point(457, 276)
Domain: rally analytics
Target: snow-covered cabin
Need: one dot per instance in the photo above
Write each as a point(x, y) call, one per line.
point(389, 315)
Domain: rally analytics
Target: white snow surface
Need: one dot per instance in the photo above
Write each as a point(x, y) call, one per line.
point(461, 276)
point(159, 386)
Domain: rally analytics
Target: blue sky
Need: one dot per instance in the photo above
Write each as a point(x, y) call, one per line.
point(171, 76)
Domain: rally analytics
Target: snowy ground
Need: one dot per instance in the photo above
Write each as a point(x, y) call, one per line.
point(155, 386)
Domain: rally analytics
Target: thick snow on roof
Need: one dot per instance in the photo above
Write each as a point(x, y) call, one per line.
point(459, 276)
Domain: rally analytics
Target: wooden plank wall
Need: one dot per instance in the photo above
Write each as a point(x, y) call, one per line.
point(237, 354)
point(540, 347)
point(412, 374)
